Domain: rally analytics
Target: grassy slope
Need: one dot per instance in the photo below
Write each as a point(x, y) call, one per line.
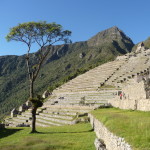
point(75, 137)
point(134, 126)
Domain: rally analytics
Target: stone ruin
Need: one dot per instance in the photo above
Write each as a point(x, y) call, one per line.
point(21, 109)
point(14, 112)
point(140, 47)
point(131, 69)
point(46, 94)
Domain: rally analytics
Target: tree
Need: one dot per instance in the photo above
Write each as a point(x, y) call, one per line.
point(44, 35)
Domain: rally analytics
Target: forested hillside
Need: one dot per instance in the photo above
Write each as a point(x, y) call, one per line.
point(63, 63)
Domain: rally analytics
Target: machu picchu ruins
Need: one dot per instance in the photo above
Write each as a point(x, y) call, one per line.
point(120, 83)
point(74, 75)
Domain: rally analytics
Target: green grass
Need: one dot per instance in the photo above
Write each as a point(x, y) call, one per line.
point(71, 137)
point(134, 126)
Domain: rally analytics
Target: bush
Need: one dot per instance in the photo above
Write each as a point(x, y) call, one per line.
point(37, 101)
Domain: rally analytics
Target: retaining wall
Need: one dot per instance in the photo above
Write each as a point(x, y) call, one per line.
point(141, 104)
point(111, 141)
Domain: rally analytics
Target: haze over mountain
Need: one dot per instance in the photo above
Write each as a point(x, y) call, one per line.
point(63, 63)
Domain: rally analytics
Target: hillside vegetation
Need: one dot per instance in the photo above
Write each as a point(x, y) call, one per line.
point(62, 64)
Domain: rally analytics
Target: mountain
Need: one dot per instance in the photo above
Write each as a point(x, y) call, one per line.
point(115, 36)
point(63, 63)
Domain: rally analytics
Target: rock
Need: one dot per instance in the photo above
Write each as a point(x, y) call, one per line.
point(140, 47)
point(99, 144)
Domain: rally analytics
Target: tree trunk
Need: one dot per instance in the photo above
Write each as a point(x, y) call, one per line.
point(31, 89)
point(33, 119)
point(33, 108)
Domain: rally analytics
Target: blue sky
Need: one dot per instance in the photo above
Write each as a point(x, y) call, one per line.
point(84, 18)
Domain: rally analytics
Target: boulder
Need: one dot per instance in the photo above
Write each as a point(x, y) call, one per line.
point(99, 144)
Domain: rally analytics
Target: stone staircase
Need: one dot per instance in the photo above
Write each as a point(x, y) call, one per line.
point(51, 115)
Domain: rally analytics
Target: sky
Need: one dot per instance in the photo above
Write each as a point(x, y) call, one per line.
point(84, 18)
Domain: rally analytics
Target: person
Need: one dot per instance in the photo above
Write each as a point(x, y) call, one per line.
point(120, 95)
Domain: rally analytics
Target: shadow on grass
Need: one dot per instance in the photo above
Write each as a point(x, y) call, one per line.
point(63, 132)
point(7, 132)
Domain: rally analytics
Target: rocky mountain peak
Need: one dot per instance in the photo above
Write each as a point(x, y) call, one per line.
point(108, 35)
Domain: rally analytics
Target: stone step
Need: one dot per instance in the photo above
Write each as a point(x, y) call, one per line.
point(99, 93)
point(47, 122)
point(60, 112)
point(69, 107)
point(80, 99)
point(23, 117)
point(41, 124)
point(53, 121)
point(56, 116)
point(86, 101)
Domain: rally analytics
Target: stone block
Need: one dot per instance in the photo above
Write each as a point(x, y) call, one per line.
point(14, 112)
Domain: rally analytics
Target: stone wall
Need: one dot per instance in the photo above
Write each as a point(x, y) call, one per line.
point(134, 96)
point(134, 89)
point(141, 104)
point(111, 141)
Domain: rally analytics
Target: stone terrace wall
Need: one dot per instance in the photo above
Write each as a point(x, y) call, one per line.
point(134, 89)
point(111, 141)
point(134, 96)
point(142, 104)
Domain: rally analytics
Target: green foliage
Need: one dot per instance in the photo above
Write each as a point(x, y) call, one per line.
point(37, 101)
point(129, 124)
point(70, 137)
point(42, 33)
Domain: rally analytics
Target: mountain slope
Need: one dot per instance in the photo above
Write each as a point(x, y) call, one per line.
point(63, 61)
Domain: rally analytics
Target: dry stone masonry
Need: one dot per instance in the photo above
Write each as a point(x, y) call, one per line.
point(134, 80)
point(111, 141)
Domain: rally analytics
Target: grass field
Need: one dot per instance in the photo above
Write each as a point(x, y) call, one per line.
point(71, 137)
point(134, 126)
